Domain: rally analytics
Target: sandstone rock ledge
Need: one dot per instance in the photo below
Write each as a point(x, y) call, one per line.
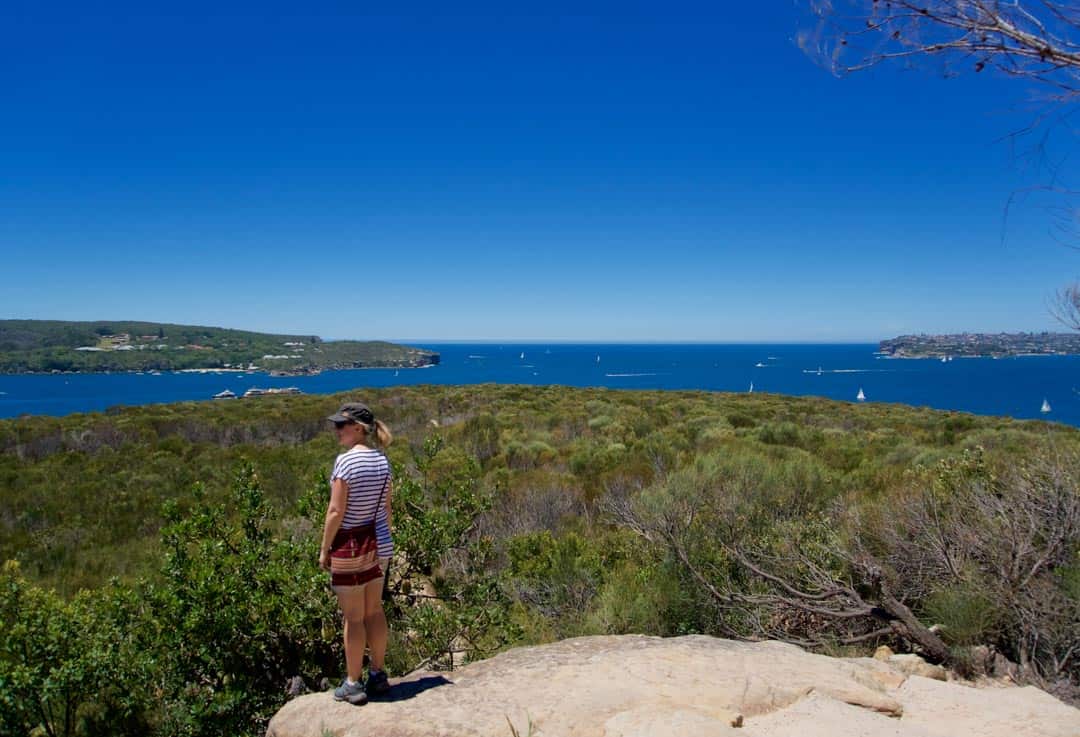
point(697, 686)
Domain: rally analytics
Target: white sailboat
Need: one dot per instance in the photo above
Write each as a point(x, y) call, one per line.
point(598, 358)
point(751, 388)
point(860, 396)
point(1045, 406)
point(522, 356)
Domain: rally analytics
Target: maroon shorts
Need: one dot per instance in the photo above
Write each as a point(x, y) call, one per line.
point(354, 557)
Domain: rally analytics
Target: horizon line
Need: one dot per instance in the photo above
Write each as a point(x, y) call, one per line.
point(615, 341)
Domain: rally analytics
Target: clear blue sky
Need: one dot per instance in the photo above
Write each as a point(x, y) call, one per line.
point(641, 171)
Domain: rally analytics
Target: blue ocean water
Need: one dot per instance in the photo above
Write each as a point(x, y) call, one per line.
point(1014, 387)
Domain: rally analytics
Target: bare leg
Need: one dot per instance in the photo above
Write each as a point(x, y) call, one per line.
point(352, 602)
point(375, 622)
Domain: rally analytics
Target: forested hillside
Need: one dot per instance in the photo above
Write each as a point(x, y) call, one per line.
point(54, 345)
point(527, 514)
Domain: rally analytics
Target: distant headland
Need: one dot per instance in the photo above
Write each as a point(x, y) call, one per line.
point(57, 346)
point(975, 345)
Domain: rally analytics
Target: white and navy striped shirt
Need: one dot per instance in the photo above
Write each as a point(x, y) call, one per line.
point(367, 474)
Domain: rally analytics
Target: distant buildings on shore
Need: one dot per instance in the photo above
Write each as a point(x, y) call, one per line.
point(994, 345)
point(256, 392)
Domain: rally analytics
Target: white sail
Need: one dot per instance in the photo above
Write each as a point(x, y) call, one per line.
point(860, 396)
point(1045, 407)
point(522, 356)
point(751, 387)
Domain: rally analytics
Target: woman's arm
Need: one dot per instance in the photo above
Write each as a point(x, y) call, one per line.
point(389, 508)
point(335, 512)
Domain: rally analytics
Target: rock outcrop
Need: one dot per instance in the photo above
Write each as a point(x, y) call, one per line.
point(911, 665)
point(697, 686)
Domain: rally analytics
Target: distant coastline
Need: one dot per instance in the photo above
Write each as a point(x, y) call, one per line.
point(211, 370)
point(66, 347)
point(1014, 388)
point(981, 345)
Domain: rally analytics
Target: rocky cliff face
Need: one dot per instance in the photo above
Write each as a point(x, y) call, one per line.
point(634, 686)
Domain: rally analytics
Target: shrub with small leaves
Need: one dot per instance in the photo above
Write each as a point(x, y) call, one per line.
point(65, 667)
point(237, 616)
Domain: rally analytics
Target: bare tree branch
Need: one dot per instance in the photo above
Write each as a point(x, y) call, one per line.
point(837, 611)
point(1039, 41)
point(1065, 306)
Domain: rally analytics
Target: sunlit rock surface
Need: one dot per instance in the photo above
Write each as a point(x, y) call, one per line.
point(634, 686)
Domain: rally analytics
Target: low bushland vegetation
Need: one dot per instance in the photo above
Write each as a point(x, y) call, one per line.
point(162, 572)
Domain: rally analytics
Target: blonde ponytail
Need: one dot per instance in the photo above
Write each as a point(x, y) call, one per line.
point(382, 433)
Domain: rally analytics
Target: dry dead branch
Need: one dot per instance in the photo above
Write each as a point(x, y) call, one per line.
point(1038, 41)
point(1065, 306)
point(1033, 41)
point(814, 609)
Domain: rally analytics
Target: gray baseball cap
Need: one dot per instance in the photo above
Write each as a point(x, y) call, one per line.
point(353, 412)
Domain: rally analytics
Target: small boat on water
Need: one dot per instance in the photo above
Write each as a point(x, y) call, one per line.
point(598, 358)
point(522, 356)
point(759, 364)
point(225, 395)
point(751, 391)
point(257, 392)
point(860, 396)
point(1045, 406)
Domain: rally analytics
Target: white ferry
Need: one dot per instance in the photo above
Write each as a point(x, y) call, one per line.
point(257, 392)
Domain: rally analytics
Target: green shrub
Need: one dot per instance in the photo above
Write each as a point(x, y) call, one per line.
point(558, 576)
point(739, 419)
point(636, 599)
point(438, 550)
point(599, 422)
point(779, 433)
point(967, 615)
point(237, 615)
point(482, 436)
point(68, 667)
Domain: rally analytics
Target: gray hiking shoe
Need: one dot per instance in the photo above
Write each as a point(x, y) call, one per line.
point(354, 693)
point(377, 683)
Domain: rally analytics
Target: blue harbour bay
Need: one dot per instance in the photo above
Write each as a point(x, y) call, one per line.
point(1014, 387)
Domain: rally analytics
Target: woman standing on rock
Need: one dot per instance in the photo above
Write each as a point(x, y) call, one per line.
point(356, 545)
